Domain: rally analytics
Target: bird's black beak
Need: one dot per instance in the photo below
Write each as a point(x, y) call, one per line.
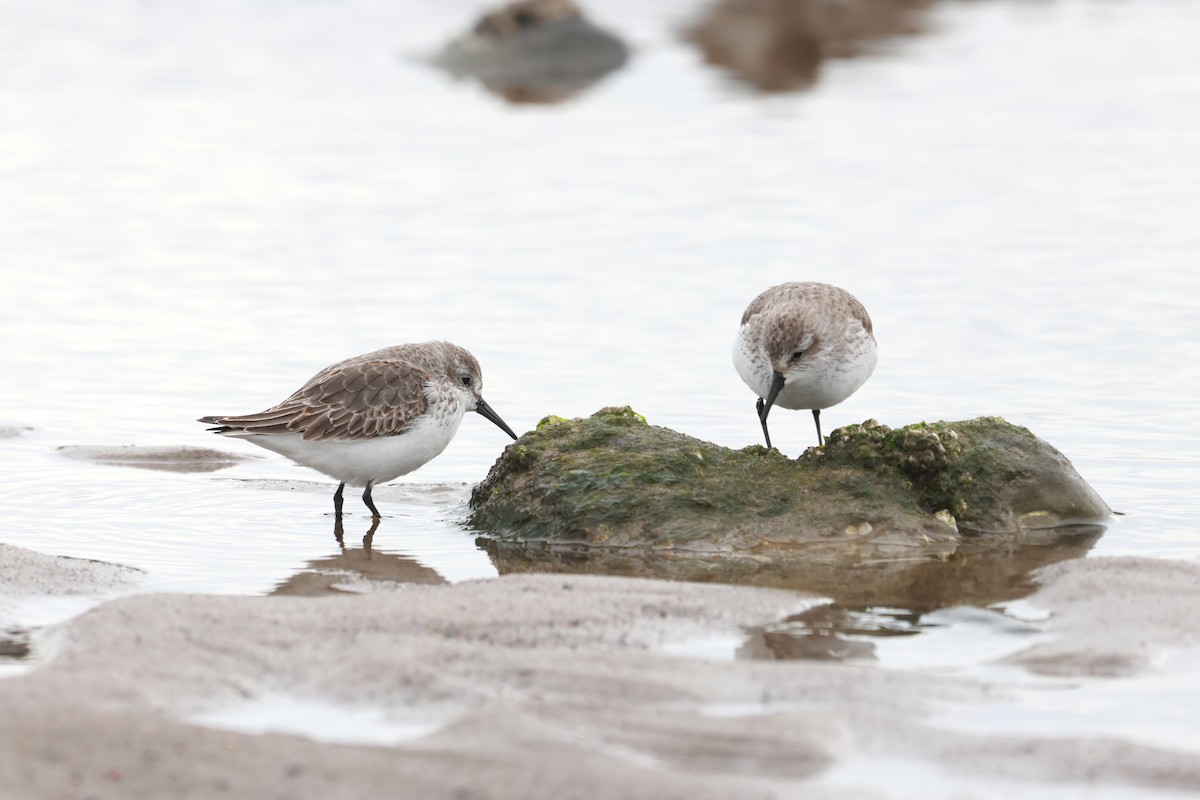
point(484, 410)
point(764, 407)
point(772, 393)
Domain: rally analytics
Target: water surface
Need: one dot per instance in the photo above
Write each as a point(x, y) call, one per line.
point(202, 205)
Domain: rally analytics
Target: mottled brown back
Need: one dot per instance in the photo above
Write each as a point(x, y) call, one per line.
point(375, 394)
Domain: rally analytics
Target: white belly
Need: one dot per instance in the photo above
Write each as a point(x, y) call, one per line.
point(358, 462)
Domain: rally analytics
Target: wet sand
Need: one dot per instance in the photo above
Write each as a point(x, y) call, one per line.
point(545, 686)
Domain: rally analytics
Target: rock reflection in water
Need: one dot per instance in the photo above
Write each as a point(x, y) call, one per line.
point(534, 51)
point(832, 632)
point(339, 573)
point(780, 45)
point(980, 573)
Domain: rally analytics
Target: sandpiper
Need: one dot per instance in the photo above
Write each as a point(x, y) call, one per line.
point(371, 418)
point(804, 345)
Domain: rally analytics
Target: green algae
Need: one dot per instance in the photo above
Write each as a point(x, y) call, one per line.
point(988, 474)
point(614, 480)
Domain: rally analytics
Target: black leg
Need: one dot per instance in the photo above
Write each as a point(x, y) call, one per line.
point(817, 419)
point(759, 408)
point(337, 501)
point(370, 503)
point(338, 532)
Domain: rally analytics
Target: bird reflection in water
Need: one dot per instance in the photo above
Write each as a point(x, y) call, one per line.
point(339, 533)
point(353, 569)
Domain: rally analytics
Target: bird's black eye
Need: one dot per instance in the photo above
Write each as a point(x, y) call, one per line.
point(466, 380)
point(796, 355)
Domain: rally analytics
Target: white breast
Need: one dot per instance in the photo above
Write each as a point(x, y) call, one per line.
point(833, 376)
point(750, 359)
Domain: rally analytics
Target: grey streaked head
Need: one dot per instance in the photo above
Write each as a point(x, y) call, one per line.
point(802, 319)
point(788, 335)
point(462, 370)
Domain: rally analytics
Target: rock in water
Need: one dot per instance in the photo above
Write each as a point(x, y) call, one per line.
point(534, 51)
point(167, 459)
point(782, 45)
point(612, 480)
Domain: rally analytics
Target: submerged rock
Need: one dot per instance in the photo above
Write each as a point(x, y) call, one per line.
point(888, 500)
point(166, 459)
point(534, 51)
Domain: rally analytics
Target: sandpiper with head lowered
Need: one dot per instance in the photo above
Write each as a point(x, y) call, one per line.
point(804, 345)
point(371, 418)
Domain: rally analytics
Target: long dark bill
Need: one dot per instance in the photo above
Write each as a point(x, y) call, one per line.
point(765, 408)
point(485, 411)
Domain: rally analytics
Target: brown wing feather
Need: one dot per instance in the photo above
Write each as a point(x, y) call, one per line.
point(354, 399)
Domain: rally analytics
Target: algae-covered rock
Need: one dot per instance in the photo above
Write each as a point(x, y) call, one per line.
point(990, 475)
point(872, 493)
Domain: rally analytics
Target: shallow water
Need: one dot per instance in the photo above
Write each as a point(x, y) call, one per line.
point(323, 721)
point(204, 205)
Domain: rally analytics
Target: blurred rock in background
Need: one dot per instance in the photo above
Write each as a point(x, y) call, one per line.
point(780, 45)
point(534, 51)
